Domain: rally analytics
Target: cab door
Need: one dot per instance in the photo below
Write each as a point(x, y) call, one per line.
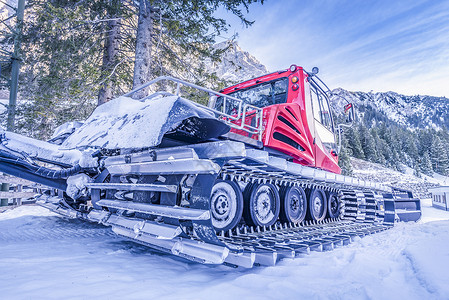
point(324, 142)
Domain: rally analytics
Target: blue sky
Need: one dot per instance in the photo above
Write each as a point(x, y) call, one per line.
point(378, 45)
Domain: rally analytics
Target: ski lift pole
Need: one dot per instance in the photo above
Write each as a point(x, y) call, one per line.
point(15, 66)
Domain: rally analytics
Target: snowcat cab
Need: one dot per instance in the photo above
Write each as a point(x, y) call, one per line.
point(297, 122)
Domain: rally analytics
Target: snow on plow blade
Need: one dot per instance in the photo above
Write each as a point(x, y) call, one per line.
point(125, 123)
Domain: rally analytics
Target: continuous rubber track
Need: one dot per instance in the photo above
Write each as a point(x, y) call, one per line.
point(291, 241)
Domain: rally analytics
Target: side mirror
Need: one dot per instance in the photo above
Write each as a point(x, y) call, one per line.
point(349, 113)
point(349, 119)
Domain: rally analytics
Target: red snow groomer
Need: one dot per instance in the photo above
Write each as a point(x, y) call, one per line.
point(248, 179)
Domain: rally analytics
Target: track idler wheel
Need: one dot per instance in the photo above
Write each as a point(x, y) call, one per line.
point(226, 205)
point(293, 204)
point(333, 205)
point(317, 205)
point(262, 204)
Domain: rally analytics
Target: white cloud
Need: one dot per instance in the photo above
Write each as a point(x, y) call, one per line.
point(382, 45)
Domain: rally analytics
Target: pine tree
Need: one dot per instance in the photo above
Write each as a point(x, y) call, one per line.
point(426, 165)
point(439, 157)
point(344, 160)
point(393, 160)
point(60, 64)
point(367, 143)
point(182, 32)
point(379, 146)
point(354, 143)
point(416, 170)
point(113, 59)
point(425, 140)
point(82, 50)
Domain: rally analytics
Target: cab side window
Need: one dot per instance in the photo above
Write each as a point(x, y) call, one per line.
point(321, 110)
point(280, 88)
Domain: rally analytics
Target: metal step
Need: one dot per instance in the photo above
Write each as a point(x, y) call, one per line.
point(150, 156)
point(160, 210)
point(139, 226)
point(245, 259)
point(179, 166)
point(135, 187)
point(186, 248)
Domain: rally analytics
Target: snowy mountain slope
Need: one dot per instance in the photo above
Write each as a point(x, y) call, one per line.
point(47, 257)
point(411, 111)
point(236, 64)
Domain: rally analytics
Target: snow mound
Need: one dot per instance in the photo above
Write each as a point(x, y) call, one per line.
point(22, 211)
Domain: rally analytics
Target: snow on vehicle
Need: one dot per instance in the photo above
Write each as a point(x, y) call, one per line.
point(249, 179)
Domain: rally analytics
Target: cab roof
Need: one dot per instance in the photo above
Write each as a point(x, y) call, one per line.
point(264, 78)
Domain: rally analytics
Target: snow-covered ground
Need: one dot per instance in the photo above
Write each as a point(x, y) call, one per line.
point(43, 256)
point(3, 103)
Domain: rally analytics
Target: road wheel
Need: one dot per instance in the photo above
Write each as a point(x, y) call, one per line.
point(226, 205)
point(293, 204)
point(317, 204)
point(262, 204)
point(333, 205)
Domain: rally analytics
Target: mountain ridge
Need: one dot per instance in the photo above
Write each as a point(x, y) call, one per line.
point(236, 64)
point(418, 111)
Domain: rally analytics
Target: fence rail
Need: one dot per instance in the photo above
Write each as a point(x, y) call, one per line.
point(19, 195)
point(16, 191)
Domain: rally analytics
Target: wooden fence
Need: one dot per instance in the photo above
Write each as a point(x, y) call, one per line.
point(16, 191)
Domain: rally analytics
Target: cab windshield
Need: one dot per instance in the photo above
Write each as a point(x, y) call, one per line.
point(261, 95)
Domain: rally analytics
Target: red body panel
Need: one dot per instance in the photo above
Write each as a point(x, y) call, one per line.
point(290, 127)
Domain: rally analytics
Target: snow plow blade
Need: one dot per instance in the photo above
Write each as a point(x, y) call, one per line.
point(407, 208)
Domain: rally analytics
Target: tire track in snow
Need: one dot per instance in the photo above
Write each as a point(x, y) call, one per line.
point(60, 229)
point(421, 280)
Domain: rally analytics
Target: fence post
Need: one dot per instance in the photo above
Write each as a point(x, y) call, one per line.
point(18, 200)
point(4, 188)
